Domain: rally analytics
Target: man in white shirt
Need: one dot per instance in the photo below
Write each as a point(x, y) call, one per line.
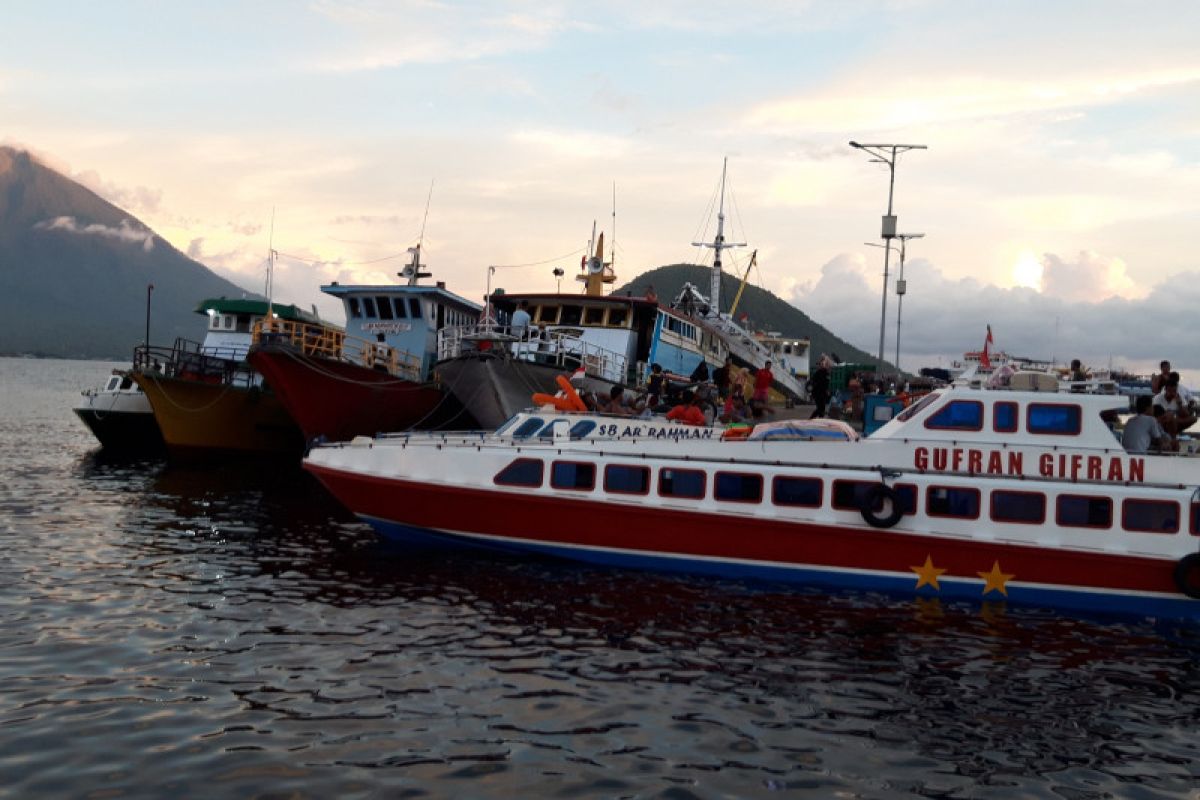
point(521, 320)
point(1176, 402)
point(1142, 432)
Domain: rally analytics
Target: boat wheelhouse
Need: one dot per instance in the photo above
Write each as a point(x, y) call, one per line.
point(378, 374)
point(984, 495)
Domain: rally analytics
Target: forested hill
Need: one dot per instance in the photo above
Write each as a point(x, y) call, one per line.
point(766, 311)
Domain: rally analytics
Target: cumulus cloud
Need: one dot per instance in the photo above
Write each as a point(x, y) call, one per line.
point(125, 232)
point(1076, 317)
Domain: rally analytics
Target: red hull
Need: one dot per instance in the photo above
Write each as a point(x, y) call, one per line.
point(695, 535)
point(339, 401)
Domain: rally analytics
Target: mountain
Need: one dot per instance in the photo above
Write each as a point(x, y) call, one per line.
point(766, 311)
point(74, 270)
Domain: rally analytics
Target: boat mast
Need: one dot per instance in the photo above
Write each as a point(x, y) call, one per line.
point(718, 244)
point(413, 271)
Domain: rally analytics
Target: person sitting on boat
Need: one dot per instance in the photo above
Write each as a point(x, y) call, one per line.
point(735, 409)
point(1078, 374)
point(1144, 432)
point(1177, 405)
point(615, 404)
point(688, 412)
point(700, 373)
point(520, 321)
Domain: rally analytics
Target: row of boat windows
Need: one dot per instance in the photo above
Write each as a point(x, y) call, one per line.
point(571, 314)
point(954, 502)
point(383, 307)
point(1062, 419)
point(685, 329)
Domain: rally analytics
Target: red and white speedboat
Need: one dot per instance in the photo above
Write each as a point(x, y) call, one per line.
point(984, 494)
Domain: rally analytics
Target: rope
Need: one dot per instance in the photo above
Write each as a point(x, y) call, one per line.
point(539, 263)
point(225, 387)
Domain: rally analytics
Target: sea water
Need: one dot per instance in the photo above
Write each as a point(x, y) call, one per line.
point(225, 629)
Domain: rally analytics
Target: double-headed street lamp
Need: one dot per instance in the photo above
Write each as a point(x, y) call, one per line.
point(886, 154)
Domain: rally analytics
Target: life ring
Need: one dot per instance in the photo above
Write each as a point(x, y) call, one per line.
point(576, 403)
point(1187, 575)
point(881, 495)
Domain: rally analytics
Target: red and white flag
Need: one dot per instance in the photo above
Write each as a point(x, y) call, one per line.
point(985, 359)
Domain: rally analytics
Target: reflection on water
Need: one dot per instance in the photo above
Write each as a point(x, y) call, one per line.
point(228, 630)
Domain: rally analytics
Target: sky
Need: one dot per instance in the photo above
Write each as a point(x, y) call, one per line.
point(1059, 194)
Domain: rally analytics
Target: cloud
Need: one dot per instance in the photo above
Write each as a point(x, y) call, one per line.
point(137, 199)
point(1074, 318)
point(125, 232)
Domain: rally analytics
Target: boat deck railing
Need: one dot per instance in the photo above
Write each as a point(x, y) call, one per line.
point(188, 360)
point(552, 348)
point(326, 341)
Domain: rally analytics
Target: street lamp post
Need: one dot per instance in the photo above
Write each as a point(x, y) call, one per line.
point(901, 289)
point(149, 289)
point(886, 154)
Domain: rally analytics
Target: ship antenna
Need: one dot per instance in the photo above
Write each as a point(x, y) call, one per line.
point(413, 270)
point(718, 244)
point(612, 247)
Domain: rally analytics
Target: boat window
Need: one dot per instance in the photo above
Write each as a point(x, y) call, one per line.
point(1195, 528)
point(369, 307)
point(616, 317)
point(582, 428)
point(414, 308)
point(622, 479)
point(1004, 417)
point(547, 314)
point(786, 491)
point(385, 307)
point(916, 408)
point(1150, 516)
point(738, 487)
point(113, 383)
point(958, 415)
point(522, 472)
point(681, 483)
point(401, 311)
point(243, 323)
point(1053, 418)
point(126, 382)
point(228, 322)
point(593, 315)
point(573, 475)
point(1079, 511)
point(571, 315)
point(1024, 507)
point(528, 428)
point(852, 495)
point(952, 501)
point(352, 304)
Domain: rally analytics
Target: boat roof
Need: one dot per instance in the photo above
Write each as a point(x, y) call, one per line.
point(506, 300)
point(224, 305)
point(340, 290)
point(1085, 429)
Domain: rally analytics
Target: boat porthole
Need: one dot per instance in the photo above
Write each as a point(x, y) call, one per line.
point(881, 506)
point(1187, 575)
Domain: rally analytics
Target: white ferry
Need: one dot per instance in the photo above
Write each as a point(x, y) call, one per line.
point(984, 494)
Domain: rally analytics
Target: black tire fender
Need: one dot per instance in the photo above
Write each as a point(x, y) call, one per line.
point(1187, 575)
point(888, 500)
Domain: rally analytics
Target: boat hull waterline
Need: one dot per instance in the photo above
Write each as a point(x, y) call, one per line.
point(195, 416)
point(859, 557)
